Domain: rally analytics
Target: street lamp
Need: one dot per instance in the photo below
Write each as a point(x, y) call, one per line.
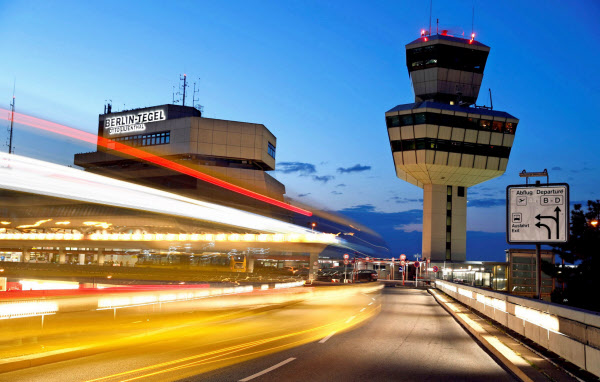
point(594, 223)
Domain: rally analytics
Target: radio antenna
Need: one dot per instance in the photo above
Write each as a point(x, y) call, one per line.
point(194, 94)
point(473, 22)
point(430, 10)
point(185, 85)
point(12, 120)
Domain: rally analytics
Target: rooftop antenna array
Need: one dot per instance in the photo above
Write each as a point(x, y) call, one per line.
point(12, 120)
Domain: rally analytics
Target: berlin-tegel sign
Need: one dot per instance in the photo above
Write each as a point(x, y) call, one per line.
point(537, 213)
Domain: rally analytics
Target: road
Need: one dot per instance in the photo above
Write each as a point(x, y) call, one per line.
point(345, 333)
point(412, 339)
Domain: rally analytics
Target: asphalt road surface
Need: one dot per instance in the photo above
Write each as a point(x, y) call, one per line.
point(411, 339)
point(346, 333)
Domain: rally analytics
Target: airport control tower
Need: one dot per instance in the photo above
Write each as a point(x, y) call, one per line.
point(443, 142)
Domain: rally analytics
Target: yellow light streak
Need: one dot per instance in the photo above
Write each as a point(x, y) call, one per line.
point(62, 223)
point(322, 238)
point(5, 223)
point(217, 355)
point(36, 224)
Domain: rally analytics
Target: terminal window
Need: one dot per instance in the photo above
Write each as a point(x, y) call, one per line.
point(271, 150)
point(140, 140)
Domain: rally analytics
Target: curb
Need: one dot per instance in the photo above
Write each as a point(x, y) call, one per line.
point(24, 362)
point(482, 340)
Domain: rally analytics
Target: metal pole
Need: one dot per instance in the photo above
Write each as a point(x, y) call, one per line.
point(12, 120)
point(538, 271)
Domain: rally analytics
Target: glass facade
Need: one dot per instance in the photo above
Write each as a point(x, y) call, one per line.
point(450, 146)
point(484, 123)
point(271, 150)
point(446, 56)
point(140, 140)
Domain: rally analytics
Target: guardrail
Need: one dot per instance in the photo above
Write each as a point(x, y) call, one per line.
point(573, 334)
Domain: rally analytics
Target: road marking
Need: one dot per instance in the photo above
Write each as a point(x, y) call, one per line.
point(328, 337)
point(363, 309)
point(350, 319)
point(267, 370)
point(370, 303)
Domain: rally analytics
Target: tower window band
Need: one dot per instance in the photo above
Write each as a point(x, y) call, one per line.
point(485, 123)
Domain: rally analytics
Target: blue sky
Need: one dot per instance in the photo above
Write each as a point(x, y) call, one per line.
point(320, 75)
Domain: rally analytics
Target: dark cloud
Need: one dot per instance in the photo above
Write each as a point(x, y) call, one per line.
point(556, 168)
point(359, 208)
point(324, 178)
point(296, 167)
point(336, 192)
point(487, 202)
point(341, 185)
point(303, 195)
point(355, 168)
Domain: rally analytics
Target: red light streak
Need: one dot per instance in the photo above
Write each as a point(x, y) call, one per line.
point(105, 142)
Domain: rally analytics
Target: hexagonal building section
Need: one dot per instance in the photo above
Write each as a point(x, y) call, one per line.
point(443, 142)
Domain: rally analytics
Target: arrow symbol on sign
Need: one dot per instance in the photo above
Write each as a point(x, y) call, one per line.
point(539, 225)
point(540, 217)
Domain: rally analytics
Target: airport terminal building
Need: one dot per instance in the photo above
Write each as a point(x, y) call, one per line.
point(240, 153)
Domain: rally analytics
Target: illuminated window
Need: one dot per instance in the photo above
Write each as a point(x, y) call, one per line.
point(153, 139)
point(510, 127)
point(485, 124)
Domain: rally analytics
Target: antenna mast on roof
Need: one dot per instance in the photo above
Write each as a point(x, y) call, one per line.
point(430, 10)
point(185, 85)
point(473, 22)
point(12, 120)
point(194, 94)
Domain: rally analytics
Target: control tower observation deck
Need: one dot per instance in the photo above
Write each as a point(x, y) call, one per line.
point(442, 142)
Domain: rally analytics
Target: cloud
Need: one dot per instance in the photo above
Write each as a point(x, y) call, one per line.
point(355, 168)
point(296, 167)
point(399, 200)
point(336, 192)
point(303, 195)
point(324, 178)
point(486, 203)
point(341, 185)
point(556, 168)
point(359, 208)
point(413, 227)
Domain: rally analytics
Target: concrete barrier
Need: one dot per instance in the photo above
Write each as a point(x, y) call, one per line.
point(573, 334)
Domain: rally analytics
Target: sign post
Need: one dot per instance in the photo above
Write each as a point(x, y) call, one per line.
point(537, 214)
point(346, 257)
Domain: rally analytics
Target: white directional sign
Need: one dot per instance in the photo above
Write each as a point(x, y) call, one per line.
point(537, 213)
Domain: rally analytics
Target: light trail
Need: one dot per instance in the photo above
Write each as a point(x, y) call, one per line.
point(33, 176)
point(137, 153)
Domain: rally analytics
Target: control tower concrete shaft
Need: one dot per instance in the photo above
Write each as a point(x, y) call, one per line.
point(442, 142)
